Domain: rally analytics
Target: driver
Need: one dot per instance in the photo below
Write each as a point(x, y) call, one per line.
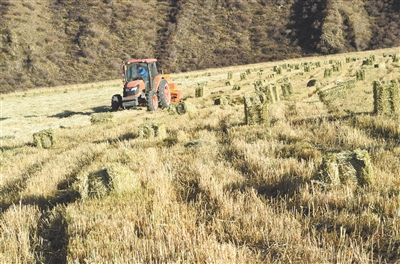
point(142, 71)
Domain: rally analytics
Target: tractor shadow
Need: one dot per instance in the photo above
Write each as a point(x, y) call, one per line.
point(69, 113)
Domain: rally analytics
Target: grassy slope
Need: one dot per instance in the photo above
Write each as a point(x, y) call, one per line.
point(235, 193)
point(47, 43)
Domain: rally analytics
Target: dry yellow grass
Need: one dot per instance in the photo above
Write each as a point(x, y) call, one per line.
point(211, 189)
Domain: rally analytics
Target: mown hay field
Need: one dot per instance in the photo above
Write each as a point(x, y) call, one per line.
point(312, 176)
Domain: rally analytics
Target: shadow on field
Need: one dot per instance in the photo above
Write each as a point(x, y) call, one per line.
point(69, 113)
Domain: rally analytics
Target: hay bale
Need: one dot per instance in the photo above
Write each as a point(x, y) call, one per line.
point(275, 93)
point(394, 98)
point(43, 139)
point(287, 89)
point(184, 108)
point(327, 73)
point(363, 165)
point(222, 100)
point(236, 87)
point(381, 95)
point(360, 75)
point(256, 109)
point(228, 83)
point(101, 118)
point(199, 91)
point(348, 168)
point(152, 130)
point(113, 178)
point(243, 76)
point(146, 131)
point(96, 185)
point(122, 179)
point(230, 75)
point(160, 131)
point(329, 171)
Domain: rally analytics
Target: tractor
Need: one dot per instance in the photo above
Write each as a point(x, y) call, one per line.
point(145, 86)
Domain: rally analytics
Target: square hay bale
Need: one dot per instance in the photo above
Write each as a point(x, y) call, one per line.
point(227, 83)
point(230, 75)
point(275, 93)
point(360, 75)
point(236, 87)
point(96, 184)
point(112, 178)
point(122, 179)
point(101, 118)
point(286, 89)
point(256, 109)
point(381, 96)
point(146, 131)
point(152, 130)
point(248, 71)
point(185, 108)
point(349, 168)
point(327, 73)
point(160, 131)
point(222, 100)
point(43, 139)
point(394, 98)
point(199, 91)
point(243, 76)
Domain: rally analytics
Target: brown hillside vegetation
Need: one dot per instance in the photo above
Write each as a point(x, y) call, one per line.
point(51, 42)
point(294, 161)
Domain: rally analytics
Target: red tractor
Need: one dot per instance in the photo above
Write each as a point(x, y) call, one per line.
point(145, 86)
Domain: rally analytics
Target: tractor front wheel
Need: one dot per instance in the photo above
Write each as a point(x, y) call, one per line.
point(164, 94)
point(152, 101)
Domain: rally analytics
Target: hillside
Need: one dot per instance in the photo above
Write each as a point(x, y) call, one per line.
point(294, 161)
point(48, 43)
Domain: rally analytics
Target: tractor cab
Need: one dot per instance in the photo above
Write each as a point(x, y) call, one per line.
point(144, 85)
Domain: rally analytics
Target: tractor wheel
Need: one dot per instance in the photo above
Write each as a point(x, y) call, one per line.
point(152, 101)
point(116, 102)
point(164, 94)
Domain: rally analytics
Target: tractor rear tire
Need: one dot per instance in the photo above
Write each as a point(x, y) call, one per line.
point(116, 102)
point(152, 101)
point(164, 94)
